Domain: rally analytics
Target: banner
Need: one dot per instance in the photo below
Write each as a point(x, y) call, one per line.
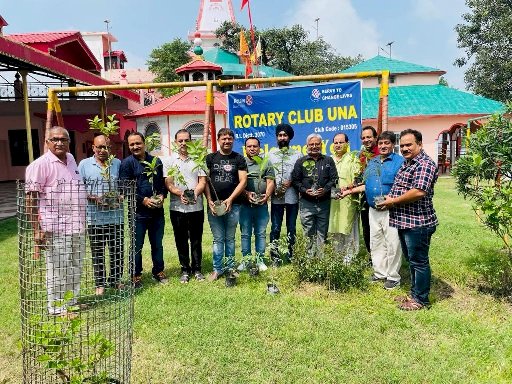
point(326, 109)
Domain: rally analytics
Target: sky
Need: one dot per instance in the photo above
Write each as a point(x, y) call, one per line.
point(422, 31)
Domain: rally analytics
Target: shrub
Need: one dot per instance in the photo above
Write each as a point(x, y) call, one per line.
point(329, 266)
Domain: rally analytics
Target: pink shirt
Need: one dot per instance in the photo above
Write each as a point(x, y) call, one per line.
point(62, 195)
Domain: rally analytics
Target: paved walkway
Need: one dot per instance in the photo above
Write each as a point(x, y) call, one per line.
point(7, 199)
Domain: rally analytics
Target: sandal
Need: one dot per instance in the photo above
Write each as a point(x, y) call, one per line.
point(411, 305)
point(402, 299)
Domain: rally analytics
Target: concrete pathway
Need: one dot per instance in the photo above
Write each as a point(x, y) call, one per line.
point(7, 199)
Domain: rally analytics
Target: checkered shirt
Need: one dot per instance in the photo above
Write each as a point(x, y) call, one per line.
point(417, 173)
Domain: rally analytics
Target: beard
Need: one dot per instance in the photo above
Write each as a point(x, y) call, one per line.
point(283, 144)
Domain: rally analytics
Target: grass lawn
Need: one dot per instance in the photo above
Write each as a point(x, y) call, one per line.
point(204, 332)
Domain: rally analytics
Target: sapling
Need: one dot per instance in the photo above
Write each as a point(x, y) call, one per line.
point(312, 172)
point(108, 128)
point(284, 155)
point(197, 152)
point(261, 184)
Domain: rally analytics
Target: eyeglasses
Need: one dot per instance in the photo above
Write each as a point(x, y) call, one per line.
point(56, 140)
point(102, 147)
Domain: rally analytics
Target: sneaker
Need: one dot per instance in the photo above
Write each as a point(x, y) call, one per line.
point(161, 278)
point(199, 276)
point(375, 279)
point(391, 284)
point(184, 278)
point(214, 276)
point(242, 267)
point(261, 266)
point(137, 282)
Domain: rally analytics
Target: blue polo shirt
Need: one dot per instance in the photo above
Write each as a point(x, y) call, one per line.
point(96, 185)
point(379, 176)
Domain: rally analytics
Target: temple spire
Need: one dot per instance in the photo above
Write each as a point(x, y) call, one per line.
point(212, 13)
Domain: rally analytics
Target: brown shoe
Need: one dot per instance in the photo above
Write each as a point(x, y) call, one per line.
point(401, 299)
point(214, 276)
point(411, 305)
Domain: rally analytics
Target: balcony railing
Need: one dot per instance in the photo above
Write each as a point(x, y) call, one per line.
point(39, 91)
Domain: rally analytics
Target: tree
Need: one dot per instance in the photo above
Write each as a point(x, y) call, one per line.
point(484, 175)
point(486, 37)
point(164, 60)
point(290, 49)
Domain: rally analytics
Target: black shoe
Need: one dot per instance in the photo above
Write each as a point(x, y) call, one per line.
point(199, 276)
point(375, 279)
point(391, 284)
point(184, 278)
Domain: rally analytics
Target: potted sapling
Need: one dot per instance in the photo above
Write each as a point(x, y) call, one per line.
point(379, 196)
point(178, 177)
point(150, 168)
point(261, 183)
point(229, 273)
point(197, 152)
point(312, 173)
point(111, 198)
point(284, 155)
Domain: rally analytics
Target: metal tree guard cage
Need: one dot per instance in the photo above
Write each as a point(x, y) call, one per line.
point(76, 243)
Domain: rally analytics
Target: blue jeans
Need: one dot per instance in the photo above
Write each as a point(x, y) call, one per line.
point(276, 216)
point(415, 246)
point(223, 231)
point(253, 217)
point(155, 228)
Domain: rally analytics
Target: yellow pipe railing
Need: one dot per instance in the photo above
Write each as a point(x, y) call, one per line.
point(53, 103)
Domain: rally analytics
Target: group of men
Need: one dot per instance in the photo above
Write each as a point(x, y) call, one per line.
point(398, 190)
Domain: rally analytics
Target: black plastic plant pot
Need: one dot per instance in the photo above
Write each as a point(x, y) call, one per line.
point(189, 195)
point(314, 187)
point(335, 192)
point(272, 289)
point(230, 280)
point(254, 271)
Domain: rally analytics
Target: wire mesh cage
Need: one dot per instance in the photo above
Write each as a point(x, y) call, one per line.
point(76, 242)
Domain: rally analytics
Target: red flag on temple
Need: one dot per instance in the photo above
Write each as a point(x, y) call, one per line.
point(244, 2)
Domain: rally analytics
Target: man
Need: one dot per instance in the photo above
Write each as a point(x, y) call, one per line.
point(104, 219)
point(187, 217)
point(412, 213)
point(378, 178)
point(343, 217)
point(313, 177)
point(149, 215)
point(285, 199)
point(254, 210)
point(56, 200)
point(369, 151)
point(228, 178)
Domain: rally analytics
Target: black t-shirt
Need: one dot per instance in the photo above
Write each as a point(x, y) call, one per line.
point(224, 173)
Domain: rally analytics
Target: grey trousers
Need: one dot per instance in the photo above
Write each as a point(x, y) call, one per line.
point(314, 217)
point(63, 269)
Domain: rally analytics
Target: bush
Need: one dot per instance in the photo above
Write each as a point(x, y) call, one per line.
point(329, 266)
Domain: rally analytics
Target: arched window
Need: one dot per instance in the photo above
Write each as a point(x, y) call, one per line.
point(197, 76)
point(153, 128)
point(196, 130)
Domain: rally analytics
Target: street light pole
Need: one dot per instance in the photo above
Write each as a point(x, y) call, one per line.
point(316, 21)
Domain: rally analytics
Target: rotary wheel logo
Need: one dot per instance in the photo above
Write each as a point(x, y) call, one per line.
point(315, 95)
point(248, 100)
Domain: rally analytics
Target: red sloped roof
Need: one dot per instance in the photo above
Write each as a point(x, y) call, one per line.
point(24, 53)
point(67, 45)
point(199, 65)
point(41, 37)
point(3, 23)
point(183, 103)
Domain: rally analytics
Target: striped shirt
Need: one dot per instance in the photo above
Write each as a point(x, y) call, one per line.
point(417, 173)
